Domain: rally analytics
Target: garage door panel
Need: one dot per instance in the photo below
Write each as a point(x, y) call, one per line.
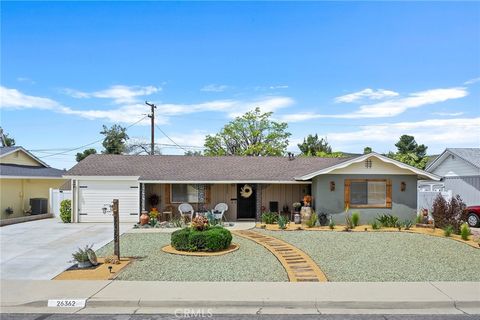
point(95, 195)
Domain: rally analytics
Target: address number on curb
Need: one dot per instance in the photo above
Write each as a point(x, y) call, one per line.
point(67, 303)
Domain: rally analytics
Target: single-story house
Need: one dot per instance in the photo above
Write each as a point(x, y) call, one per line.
point(370, 183)
point(24, 177)
point(460, 172)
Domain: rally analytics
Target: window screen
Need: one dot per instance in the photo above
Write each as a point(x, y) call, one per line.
point(368, 193)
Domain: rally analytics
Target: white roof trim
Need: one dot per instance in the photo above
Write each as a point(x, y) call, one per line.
point(104, 178)
point(32, 177)
point(27, 153)
point(364, 157)
point(225, 182)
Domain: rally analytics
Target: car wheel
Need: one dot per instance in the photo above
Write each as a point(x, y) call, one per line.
point(473, 220)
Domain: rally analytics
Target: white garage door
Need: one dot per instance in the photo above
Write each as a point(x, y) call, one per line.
point(94, 195)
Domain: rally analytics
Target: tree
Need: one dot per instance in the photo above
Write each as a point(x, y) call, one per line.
point(82, 155)
point(323, 154)
point(138, 146)
point(252, 134)
point(6, 140)
point(367, 150)
point(410, 152)
point(193, 153)
point(115, 139)
point(312, 145)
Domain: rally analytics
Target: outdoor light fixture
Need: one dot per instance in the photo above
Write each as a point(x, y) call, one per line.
point(332, 185)
point(403, 186)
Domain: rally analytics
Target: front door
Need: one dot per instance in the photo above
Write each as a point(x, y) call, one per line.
point(246, 201)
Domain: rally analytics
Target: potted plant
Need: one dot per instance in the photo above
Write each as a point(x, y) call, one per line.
point(296, 207)
point(307, 200)
point(81, 257)
point(154, 199)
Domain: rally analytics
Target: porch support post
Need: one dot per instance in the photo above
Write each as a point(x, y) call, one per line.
point(142, 197)
point(258, 204)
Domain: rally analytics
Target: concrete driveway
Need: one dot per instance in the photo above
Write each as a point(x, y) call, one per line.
point(41, 249)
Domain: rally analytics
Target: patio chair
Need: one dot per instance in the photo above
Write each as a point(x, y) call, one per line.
point(219, 210)
point(186, 210)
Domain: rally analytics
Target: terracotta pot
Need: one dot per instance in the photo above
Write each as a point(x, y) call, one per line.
point(144, 219)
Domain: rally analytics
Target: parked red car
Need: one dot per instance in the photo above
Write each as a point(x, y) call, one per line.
point(473, 216)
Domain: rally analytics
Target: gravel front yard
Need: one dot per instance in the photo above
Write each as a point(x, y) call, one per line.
point(251, 262)
point(386, 256)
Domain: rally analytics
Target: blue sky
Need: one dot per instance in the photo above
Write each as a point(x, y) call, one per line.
point(360, 74)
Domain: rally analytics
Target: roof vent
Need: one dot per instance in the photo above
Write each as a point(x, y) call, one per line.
point(291, 156)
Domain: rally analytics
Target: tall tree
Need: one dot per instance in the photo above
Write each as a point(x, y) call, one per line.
point(115, 139)
point(312, 145)
point(410, 152)
point(138, 146)
point(253, 134)
point(82, 155)
point(367, 150)
point(6, 140)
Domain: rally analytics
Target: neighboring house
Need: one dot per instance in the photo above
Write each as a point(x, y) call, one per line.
point(370, 183)
point(23, 177)
point(460, 172)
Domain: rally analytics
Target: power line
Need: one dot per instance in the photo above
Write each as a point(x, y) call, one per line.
point(170, 138)
point(88, 144)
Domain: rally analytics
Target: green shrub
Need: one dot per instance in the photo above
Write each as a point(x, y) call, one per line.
point(312, 221)
point(375, 225)
point(282, 222)
point(355, 218)
point(331, 225)
point(270, 217)
point(419, 218)
point(447, 232)
point(348, 222)
point(66, 211)
point(407, 224)
point(212, 239)
point(387, 220)
point(464, 231)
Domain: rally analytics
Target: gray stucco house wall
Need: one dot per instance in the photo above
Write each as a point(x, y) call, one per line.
point(404, 203)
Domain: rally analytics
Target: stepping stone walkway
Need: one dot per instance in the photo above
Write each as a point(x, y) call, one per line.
point(299, 266)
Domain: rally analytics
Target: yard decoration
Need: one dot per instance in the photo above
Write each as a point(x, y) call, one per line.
point(144, 218)
point(81, 257)
point(246, 191)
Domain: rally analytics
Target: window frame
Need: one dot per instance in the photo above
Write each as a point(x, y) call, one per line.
point(186, 201)
point(388, 194)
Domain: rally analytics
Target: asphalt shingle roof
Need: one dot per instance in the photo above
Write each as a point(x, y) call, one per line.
point(198, 168)
point(4, 150)
point(471, 155)
point(15, 170)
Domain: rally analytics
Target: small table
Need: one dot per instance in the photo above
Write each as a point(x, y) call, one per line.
point(165, 214)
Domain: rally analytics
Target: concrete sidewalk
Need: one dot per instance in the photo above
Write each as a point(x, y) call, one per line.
point(243, 297)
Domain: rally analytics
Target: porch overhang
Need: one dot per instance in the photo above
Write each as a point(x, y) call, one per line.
point(223, 182)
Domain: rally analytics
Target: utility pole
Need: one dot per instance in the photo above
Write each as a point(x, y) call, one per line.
point(152, 118)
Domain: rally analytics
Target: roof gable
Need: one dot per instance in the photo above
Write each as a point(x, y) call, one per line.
point(469, 155)
point(392, 167)
point(19, 156)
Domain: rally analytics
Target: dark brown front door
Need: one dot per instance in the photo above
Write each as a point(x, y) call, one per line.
point(246, 201)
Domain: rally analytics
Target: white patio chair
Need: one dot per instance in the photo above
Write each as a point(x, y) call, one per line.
point(221, 208)
point(186, 210)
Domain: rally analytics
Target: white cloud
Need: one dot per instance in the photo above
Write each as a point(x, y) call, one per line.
point(14, 99)
point(435, 132)
point(214, 88)
point(127, 113)
point(25, 79)
point(282, 86)
point(449, 114)
point(367, 93)
point(118, 93)
point(472, 81)
point(388, 108)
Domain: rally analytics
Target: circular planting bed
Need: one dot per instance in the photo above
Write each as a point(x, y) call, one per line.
point(201, 237)
point(169, 249)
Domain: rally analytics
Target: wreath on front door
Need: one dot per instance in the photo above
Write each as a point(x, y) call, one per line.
point(246, 191)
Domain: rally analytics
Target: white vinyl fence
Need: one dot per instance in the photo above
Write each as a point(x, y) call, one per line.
point(56, 197)
point(428, 191)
